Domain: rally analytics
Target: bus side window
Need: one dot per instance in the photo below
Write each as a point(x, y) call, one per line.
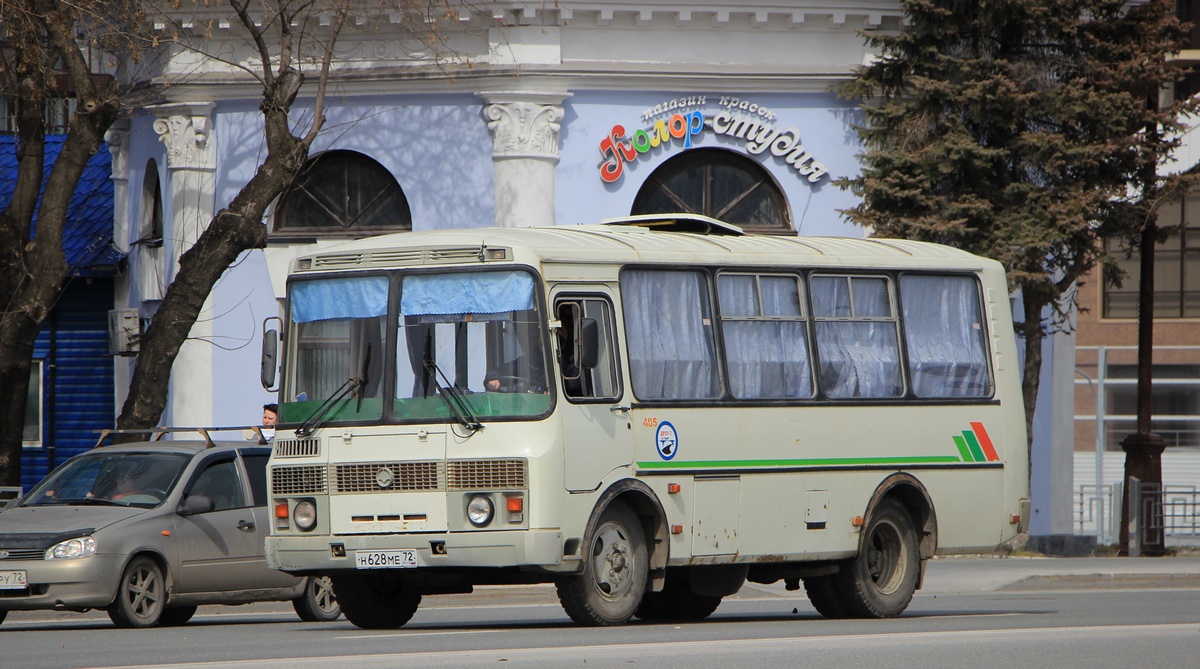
point(587, 368)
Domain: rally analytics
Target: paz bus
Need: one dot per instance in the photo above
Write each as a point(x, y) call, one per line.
point(647, 412)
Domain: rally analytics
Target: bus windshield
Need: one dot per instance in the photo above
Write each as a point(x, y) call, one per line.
point(468, 346)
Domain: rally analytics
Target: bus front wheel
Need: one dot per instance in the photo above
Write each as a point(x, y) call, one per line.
point(377, 601)
point(881, 580)
point(615, 568)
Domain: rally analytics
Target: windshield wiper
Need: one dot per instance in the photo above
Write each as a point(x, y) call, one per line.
point(315, 420)
point(83, 501)
point(453, 396)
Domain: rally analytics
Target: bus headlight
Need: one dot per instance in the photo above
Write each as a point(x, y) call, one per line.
point(480, 511)
point(305, 515)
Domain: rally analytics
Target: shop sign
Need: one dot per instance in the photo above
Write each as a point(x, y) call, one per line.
point(678, 122)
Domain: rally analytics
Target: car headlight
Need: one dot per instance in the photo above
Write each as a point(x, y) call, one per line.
point(305, 515)
point(480, 510)
point(72, 548)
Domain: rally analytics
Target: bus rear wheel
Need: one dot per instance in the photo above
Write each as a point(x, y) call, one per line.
point(824, 596)
point(615, 569)
point(881, 580)
point(377, 601)
point(677, 602)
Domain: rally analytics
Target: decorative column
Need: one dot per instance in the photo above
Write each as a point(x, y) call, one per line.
point(117, 139)
point(525, 130)
point(186, 131)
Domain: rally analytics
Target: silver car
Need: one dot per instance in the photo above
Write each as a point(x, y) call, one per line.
point(148, 532)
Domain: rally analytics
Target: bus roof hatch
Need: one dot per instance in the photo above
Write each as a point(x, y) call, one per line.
point(691, 223)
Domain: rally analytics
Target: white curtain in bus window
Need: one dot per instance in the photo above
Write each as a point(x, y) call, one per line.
point(669, 325)
point(944, 335)
point(766, 348)
point(339, 329)
point(857, 342)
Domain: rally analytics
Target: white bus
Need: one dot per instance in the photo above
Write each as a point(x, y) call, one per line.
point(647, 413)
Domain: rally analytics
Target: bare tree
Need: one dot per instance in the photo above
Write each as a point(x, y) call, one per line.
point(275, 34)
point(276, 30)
point(42, 58)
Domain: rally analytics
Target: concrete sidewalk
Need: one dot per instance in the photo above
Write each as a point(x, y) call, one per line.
point(953, 575)
point(991, 574)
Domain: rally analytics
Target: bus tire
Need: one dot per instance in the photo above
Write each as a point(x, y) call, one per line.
point(823, 594)
point(881, 580)
point(676, 602)
point(375, 602)
point(615, 569)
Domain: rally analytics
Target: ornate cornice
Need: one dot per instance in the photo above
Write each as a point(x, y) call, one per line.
point(524, 124)
point(186, 131)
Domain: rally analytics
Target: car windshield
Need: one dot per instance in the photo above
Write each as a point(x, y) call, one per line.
point(117, 478)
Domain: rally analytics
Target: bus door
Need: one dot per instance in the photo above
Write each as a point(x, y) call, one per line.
point(595, 428)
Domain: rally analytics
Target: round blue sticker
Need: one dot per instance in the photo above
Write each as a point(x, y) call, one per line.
point(667, 440)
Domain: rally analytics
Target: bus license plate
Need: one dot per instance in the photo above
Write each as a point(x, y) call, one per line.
point(385, 559)
point(13, 580)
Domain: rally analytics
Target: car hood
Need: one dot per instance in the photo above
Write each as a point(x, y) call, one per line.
point(58, 521)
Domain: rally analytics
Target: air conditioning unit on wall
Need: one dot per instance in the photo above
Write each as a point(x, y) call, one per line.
point(124, 331)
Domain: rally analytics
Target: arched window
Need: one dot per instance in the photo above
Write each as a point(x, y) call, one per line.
point(151, 227)
point(151, 279)
point(717, 183)
point(340, 193)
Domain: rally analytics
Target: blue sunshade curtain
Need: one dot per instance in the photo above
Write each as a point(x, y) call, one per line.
point(466, 293)
point(333, 299)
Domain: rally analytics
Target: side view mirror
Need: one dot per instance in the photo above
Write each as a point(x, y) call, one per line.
point(589, 343)
point(195, 504)
point(270, 355)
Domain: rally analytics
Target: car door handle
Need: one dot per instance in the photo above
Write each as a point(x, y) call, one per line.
point(245, 525)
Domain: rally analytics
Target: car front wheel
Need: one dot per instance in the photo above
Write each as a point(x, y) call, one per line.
point(141, 595)
point(318, 603)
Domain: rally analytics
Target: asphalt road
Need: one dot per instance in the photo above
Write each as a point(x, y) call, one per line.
point(972, 613)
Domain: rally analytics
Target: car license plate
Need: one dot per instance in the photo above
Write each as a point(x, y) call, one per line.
point(13, 580)
point(385, 559)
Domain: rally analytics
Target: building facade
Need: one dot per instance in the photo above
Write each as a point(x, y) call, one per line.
point(533, 114)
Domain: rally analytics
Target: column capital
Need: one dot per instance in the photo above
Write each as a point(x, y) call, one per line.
point(524, 124)
point(117, 138)
point(186, 130)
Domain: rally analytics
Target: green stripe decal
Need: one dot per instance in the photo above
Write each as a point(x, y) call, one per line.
point(973, 443)
point(806, 462)
point(963, 450)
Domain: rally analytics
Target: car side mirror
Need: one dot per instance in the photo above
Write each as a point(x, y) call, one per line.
point(195, 504)
point(589, 343)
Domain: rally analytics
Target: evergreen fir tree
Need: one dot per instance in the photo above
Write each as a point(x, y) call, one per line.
point(1022, 130)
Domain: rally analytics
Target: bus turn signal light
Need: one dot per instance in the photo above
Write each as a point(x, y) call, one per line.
point(672, 488)
point(857, 521)
point(516, 508)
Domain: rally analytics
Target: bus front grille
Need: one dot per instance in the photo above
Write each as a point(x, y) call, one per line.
point(378, 476)
point(401, 476)
point(486, 474)
point(305, 480)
